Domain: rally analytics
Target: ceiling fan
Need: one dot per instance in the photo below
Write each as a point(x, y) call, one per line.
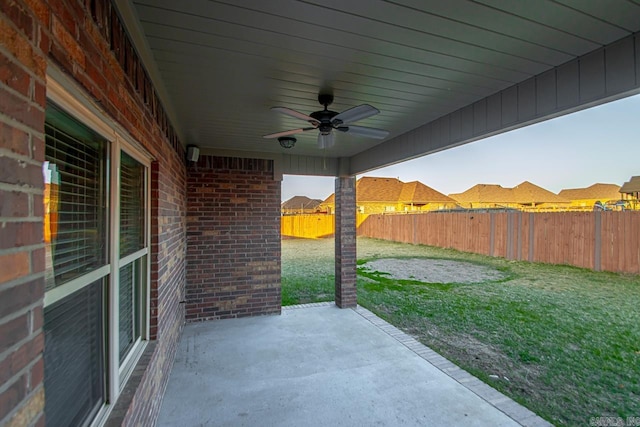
point(326, 121)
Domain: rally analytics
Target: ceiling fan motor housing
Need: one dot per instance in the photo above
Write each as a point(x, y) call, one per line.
point(324, 116)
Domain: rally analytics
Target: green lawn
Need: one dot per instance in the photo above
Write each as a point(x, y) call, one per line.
point(563, 341)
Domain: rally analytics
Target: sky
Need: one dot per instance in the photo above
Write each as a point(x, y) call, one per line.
point(597, 145)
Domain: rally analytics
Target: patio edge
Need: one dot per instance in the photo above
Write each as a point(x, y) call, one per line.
point(502, 402)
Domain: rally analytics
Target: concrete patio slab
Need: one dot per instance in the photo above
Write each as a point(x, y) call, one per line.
point(318, 366)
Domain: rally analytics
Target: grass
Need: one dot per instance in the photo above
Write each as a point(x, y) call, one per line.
point(307, 271)
point(563, 341)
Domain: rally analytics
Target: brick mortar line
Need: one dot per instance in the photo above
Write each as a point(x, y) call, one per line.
point(24, 371)
point(18, 219)
point(21, 157)
point(17, 250)
point(18, 408)
point(20, 125)
point(20, 280)
point(529, 416)
point(14, 92)
point(4, 387)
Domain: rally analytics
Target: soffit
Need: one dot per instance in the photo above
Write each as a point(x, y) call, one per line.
point(223, 64)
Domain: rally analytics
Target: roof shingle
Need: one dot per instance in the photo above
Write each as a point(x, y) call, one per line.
point(593, 192)
point(631, 186)
point(301, 202)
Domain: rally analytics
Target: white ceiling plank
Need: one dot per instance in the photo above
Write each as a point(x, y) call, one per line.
point(624, 14)
point(426, 64)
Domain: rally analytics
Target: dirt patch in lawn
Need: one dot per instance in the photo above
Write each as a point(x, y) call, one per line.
point(434, 270)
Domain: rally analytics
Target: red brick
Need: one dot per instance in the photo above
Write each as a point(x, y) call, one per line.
point(19, 234)
point(14, 204)
point(19, 172)
point(37, 318)
point(36, 376)
point(13, 331)
point(21, 48)
point(17, 297)
point(13, 266)
point(37, 261)
point(20, 358)
point(63, 18)
point(39, 94)
point(37, 149)
point(19, 17)
point(22, 110)
point(12, 396)
point(67, 40)
point(15, 77)
point(14, 139)
point(40, 10)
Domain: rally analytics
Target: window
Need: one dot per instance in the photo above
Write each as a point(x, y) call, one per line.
point(97, 256)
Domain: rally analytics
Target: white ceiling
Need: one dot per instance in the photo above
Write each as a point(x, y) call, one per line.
point(223, 64)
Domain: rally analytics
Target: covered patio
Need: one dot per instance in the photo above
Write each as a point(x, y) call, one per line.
point(316, 365)
point(138, 193)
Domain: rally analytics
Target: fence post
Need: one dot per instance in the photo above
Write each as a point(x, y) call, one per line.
point(531, 236)
point(414, 228)
point(509, 235)
point(492, 231)
point(519, 237)
point(597, 250)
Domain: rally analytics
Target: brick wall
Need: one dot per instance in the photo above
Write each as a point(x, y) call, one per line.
point(233, 238)
point(22, 78)
point(63, 34)
point(345, 241)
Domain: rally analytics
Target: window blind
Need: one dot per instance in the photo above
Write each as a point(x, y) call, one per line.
point(74, 356)
point(127, 309)
point(76, 209)
point(131, 205)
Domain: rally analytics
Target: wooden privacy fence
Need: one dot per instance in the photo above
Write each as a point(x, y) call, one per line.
point(607, 241)
point(311, 226)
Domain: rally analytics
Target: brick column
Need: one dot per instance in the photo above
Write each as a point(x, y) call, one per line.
point(345, 242)
point(22, 100)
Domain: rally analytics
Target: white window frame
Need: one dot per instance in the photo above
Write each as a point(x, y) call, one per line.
point(63, 92)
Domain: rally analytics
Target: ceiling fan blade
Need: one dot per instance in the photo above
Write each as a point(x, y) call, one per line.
point(354, 114)
point(296, 114)
point(364, 131)
point(287, 132)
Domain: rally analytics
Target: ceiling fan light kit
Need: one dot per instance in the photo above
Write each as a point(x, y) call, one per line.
point(287, 141)
point(326, 140)
point(326, 121)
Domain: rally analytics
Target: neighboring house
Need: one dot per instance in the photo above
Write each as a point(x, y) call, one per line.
point(300, 205)
point(386, 195)
point(484, 196)
point(587, 198)
point(630, 191)
point(525, 196)
point(532, 197)
point(415, 196)
point(328, 205)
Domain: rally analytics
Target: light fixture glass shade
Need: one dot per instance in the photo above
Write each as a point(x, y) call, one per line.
point(287, 141)
point(326, 140)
